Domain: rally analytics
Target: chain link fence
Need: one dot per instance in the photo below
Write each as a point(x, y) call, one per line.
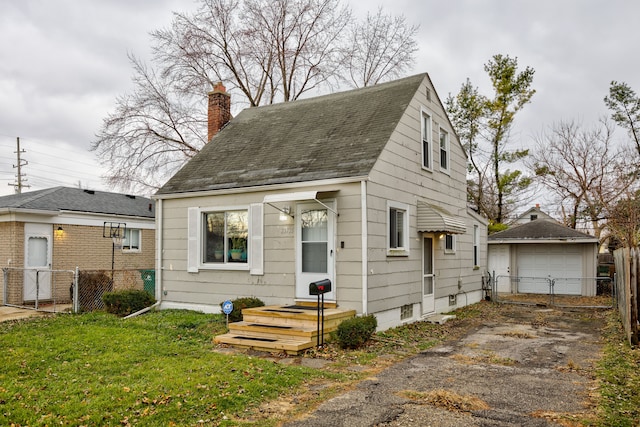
point(67, 290)
point(551, 291)
point(39, 289)
point(92, 284)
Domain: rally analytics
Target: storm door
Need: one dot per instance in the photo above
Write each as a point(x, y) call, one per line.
point(37, 264)
point(428, 277)
point(314, 248)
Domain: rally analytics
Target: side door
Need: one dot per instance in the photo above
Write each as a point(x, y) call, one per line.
point(37, 262)
point(428, 276)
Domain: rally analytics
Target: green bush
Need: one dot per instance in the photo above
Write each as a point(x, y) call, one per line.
point(239, 304)
point(123, 303)
point(354, 332)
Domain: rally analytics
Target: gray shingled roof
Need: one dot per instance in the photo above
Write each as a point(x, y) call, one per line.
point(333, 136)
point(78, 200)
point(540, 229)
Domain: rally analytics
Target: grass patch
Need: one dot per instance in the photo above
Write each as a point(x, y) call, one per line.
point(618, 372)
point(448, 400)
point(154, 370)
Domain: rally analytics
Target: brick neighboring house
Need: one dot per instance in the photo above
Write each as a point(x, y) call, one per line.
point(63, 228)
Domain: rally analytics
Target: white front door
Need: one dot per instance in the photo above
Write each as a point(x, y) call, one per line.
point(314, 249)
point(428, 278)
point(37, 255)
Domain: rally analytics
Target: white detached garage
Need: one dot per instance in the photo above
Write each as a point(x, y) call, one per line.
point(526, 257)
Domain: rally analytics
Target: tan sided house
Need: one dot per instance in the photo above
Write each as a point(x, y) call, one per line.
point(62, 229)
point(365, 188)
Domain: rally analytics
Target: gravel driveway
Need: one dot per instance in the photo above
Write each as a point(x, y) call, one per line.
point(529, 366)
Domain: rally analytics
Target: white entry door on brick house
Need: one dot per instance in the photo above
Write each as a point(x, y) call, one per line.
point(37, 262)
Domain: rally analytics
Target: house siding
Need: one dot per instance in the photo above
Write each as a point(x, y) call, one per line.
point(398, 176)
point(210, 287)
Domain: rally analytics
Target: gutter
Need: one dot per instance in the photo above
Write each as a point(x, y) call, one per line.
point(259, 188)
point(144, 310)
point(365, 246)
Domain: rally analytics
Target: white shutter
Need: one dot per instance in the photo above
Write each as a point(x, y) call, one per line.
point(193, 240)
point(256, 255)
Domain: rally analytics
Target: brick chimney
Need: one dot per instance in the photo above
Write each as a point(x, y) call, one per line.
point(219, 110)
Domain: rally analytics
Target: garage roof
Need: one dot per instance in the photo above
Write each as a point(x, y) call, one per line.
point(543, 231)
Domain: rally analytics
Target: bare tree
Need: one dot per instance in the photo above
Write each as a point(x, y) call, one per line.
point(382, 47)
point(150, 134)
point(264, 51)
point(585, 172)
point(624, 221)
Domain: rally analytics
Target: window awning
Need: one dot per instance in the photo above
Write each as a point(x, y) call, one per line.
point(270, 199)
point(290, 197)
point(434, 219)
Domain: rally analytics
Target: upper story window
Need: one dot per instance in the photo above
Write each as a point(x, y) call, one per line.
point(225, 237)
point(398, 228)
point(426, 140)
point(131, 241)
point(444, 150)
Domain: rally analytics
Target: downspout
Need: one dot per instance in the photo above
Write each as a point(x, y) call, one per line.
point(159, 212)
point(158, 264)
point(365, 246)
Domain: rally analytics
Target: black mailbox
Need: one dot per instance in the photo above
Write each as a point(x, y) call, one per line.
point(320, 287)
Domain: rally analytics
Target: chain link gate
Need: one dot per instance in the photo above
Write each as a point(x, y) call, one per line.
point(39, 289)
point(509, 289)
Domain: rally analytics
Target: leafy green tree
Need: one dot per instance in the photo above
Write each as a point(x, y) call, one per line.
point(484, 125)
point(625, 109)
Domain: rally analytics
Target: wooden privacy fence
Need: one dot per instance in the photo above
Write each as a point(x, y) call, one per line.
point(627, 283)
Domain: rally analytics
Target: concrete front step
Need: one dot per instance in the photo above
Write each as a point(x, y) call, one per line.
point(281, 328)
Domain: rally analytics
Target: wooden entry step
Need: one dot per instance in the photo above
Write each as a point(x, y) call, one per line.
point(291, 328)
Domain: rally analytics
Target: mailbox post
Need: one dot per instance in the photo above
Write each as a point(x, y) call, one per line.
point(320, 288)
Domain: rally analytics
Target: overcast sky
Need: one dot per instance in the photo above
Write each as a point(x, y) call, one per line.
point(63, 62)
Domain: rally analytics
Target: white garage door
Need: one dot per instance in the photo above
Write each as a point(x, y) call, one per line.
point(538, 262)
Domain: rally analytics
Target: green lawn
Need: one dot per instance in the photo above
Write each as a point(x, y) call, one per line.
point(154, 370)
point(160, 369)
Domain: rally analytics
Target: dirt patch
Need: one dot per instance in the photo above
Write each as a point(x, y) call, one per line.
point(447, 400)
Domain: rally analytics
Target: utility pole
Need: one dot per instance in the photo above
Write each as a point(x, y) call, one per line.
point(21, 162)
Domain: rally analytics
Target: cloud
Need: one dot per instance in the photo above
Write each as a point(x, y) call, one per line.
point(64, 62)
